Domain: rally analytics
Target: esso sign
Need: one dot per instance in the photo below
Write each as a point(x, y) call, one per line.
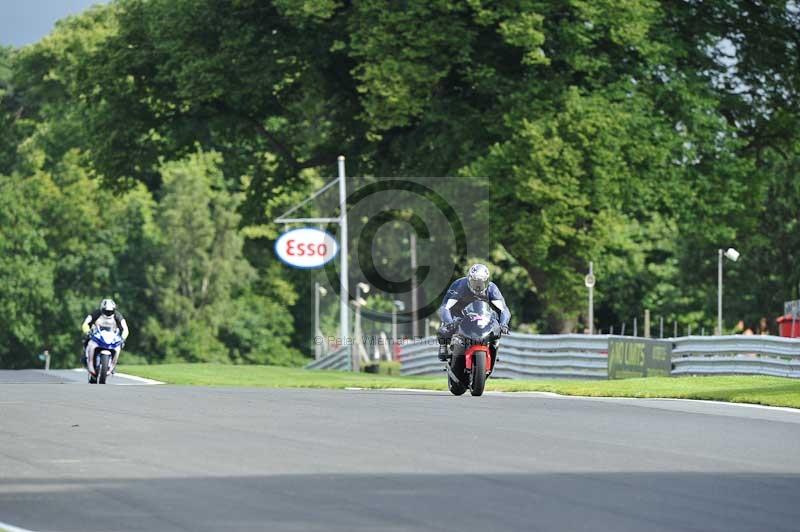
point(306, 248)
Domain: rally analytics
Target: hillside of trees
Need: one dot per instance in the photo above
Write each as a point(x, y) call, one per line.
point(146, 147)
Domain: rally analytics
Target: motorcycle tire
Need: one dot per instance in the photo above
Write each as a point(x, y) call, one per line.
point(103, 372)
point(478, 375)
point(457, 366)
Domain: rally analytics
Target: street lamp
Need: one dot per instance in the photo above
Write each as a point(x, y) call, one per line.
point(318, 291)
point(733, 255)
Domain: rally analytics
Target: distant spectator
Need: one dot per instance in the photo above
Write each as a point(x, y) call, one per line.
point(763, 327)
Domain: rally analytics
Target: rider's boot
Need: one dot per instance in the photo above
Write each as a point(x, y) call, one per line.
point(443, 354)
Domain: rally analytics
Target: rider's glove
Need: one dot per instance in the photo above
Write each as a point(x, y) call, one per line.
point(504, 329)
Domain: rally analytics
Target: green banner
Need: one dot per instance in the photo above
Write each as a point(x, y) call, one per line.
point(638, 357)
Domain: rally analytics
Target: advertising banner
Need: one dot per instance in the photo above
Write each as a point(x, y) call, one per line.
point(638, 357)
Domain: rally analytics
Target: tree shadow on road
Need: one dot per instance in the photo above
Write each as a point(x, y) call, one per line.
point(348, 502)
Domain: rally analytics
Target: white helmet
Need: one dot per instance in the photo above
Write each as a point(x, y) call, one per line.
point(478, 279)
point(108, 307)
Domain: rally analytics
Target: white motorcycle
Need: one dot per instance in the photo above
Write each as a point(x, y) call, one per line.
point(102, 352)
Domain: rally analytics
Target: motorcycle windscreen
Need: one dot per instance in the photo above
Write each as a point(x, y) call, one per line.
point(107, 338)
point(478, 320)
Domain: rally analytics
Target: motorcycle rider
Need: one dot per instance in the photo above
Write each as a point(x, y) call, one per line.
point(106, 315)
point(474, 287)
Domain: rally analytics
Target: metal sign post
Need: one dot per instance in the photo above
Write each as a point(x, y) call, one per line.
point(45, 357)
point(344, 279)
point(344, 289)
point(589, 281)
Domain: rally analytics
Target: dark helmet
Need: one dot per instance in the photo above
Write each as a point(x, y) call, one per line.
point(108, 307)
point(478, 279)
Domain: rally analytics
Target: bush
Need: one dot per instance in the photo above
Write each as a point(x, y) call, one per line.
point(383, 367)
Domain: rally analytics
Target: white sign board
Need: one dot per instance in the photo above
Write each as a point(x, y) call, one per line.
point(306, 248)
point(792, 308)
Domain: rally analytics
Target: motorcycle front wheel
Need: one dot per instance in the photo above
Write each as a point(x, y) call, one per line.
point(103, 372)
point(478, 374)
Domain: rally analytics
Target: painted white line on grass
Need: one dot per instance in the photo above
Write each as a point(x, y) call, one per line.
point(5, 527)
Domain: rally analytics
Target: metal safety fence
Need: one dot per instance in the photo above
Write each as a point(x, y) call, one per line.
point(524, 356)
point(579, 356)
point(736, 355)
point(338, 359)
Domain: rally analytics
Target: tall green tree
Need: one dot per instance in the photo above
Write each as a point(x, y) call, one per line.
point(200, 281)
point(642, 136)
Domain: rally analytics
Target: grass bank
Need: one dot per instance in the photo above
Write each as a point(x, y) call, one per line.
point(773, 391)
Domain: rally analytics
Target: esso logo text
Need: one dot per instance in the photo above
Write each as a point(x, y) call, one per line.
point(306, 248)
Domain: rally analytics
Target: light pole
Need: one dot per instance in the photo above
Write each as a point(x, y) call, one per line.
point(414, 325)
point(359, 301)
point(732, 255)
point(318, 291)
point(590, 281)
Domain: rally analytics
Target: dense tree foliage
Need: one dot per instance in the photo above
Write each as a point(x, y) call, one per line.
point(146, 145)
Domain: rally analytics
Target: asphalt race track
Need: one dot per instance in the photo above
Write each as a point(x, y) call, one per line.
point(75, 457)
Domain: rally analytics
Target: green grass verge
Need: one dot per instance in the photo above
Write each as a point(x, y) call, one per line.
point(774, 391)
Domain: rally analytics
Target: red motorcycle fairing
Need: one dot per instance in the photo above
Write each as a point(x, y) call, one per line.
point(470, 353)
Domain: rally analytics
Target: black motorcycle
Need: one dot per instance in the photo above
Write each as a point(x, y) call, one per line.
point(471, 362)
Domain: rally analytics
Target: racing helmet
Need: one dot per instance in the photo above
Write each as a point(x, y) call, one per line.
point(478, 279)
point(108, 307)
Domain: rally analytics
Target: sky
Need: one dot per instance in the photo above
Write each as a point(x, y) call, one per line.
point(26, 21)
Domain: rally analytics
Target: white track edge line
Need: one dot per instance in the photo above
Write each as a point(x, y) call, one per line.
point(143, 380)
point(591, 397)
point(11, 528)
